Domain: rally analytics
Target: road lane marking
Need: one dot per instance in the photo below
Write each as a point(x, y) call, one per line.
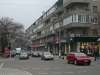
point(84, 67)
point(46, 68)
point(1, 65)
point(43, 73)
point(35, 68)
point(57, 72)
point(56, 68)
point(69, 72)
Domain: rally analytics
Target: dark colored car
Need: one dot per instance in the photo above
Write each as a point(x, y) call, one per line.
point(78, 58)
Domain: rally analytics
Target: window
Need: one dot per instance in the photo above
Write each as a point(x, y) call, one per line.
point(95, 9)
point(87, 19)
point(81, 18)
point(68, 20)
point(94, 19)
point(94, 32)
point(74, 18)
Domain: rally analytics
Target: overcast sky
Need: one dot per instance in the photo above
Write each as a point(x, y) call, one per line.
point(24, 11)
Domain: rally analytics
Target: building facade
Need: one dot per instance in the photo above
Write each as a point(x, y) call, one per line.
point(69, 25)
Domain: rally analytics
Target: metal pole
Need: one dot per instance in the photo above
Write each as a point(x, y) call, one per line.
point(59, 18)
point(59, 43)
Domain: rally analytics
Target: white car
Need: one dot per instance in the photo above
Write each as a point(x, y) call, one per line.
point(40, 53)
point(23, 55)
point(47, 56)
point(35, 54)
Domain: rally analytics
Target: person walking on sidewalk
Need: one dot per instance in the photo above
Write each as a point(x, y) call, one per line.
point(96, 54)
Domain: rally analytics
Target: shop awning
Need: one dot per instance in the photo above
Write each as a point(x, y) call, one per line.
point(84, 39)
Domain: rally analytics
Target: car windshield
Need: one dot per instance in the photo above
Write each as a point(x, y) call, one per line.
point(23, 53)
point(80, 54)
point(47, 53)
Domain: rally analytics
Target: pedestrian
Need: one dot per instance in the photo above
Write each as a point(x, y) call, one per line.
point(96, 54)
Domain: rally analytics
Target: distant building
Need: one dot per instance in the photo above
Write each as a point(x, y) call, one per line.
point(67, 26)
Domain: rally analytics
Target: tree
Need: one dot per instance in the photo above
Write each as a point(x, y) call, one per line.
point(9, 32)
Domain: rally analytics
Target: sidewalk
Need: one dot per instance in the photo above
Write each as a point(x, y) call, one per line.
point(5, 59)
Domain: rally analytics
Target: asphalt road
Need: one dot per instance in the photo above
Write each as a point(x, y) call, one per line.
point(34, 66)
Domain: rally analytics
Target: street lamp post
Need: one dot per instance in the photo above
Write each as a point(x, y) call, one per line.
point(59, 43)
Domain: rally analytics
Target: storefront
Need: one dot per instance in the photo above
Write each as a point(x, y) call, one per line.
point(84, 44)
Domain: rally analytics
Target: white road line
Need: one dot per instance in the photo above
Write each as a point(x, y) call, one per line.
point(46, 68)
point(57, 72)
point(1, 65)
point(35, 68)
point(56, 68)
point(83, 67)
point(43, 73)
point(69, 72)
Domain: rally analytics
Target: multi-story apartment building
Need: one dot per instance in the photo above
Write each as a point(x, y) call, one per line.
point(69, 25)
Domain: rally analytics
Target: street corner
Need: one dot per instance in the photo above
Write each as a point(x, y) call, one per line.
point(12, 71)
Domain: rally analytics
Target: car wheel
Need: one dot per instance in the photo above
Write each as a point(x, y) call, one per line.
point(88, 63)
point(75, 62)
point(52, 58)
point(27, 57)
point(41, 58)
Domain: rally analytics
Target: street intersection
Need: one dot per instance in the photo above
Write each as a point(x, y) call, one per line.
point(34, 66)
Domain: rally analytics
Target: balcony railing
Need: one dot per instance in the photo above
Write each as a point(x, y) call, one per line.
point(67, 2)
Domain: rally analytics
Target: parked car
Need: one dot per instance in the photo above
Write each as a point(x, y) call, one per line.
point(6, 52)
point(18, 51)
point(29, 53)
point(47, 56)
point(78, 58)
point(35, 54)
point(23, 55)
point(40, 53)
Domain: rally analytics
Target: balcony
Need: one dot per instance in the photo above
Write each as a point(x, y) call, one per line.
point(80, 20)
point(77, 25)
point(78, 11)
point(67, 2)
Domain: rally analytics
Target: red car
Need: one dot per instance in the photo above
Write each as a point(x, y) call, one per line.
point(78, 58)
point(6, 52)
